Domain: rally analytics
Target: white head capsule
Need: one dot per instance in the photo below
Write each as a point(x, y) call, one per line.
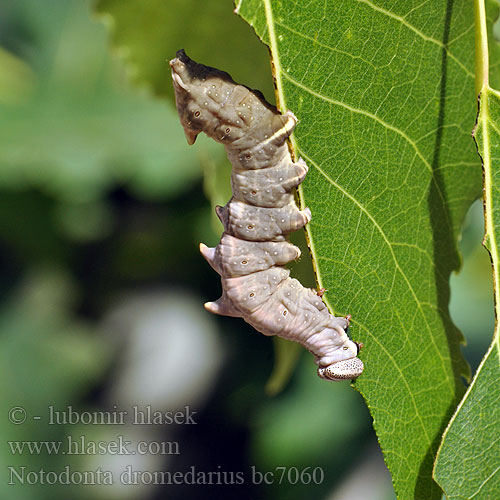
point(346, 369)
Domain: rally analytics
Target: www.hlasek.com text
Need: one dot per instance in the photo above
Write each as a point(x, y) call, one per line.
point(81, 445)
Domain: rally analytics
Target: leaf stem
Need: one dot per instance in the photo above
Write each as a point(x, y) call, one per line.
point(482, 58)
point(275, 58)
point(293, 146)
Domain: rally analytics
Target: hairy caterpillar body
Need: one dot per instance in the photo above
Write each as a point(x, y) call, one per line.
point(262, 211)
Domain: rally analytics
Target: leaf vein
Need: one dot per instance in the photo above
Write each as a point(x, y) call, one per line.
point(425, 37)
point(361, 112)
point(324, 45)
point(484, 482)
point(391, 250)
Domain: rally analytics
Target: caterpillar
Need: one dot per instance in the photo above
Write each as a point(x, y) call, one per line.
point(257, 219)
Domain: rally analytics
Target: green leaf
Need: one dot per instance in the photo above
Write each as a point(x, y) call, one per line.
point(468, 462)
point(77, 134)
point(384, 93)
point(148, 33)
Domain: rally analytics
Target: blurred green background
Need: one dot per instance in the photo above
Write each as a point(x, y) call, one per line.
point(102, 208)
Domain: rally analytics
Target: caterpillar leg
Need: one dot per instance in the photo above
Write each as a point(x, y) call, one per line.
point(209, 254)
point(223, 307)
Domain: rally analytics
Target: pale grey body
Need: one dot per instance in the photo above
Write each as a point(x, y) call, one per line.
point(256, 220)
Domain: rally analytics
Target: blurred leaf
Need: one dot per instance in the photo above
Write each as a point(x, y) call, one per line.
point(217, 185)
point(84, 221)
point(81, 132)
point(306, 426)
point(27, 232)
point(149, 32)
point(16, 78)
point(385, 101)
point(471, 304)
point(48, 359)
point(468, 463)
point(286, 356)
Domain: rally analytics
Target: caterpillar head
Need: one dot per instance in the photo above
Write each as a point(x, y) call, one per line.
point(202, 96)
point(346, 369)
